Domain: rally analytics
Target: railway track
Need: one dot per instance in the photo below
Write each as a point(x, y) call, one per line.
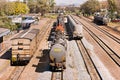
point(104, 31)
point(15, 75)
point(104, 46)
point(90, 66)
point(57, 75)
point(107, 49)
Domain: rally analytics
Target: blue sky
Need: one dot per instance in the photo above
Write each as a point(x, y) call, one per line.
point(70, 1)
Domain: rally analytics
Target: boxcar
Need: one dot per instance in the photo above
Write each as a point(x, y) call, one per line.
point(24, 45)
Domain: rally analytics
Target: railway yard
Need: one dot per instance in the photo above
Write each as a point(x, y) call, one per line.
point(95, 56)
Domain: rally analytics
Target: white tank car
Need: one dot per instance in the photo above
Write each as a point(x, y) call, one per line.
point(58, 55)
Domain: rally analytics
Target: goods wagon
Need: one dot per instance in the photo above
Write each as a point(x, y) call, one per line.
point(75, 29)
point(24, 45)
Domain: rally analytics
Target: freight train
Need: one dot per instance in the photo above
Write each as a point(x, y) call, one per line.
point(24, 45)
point(58, 48)
point(75, 29)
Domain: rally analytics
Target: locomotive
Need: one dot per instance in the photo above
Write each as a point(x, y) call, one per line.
point(101, 17)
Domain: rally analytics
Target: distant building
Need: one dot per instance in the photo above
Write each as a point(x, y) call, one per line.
point(3, 32)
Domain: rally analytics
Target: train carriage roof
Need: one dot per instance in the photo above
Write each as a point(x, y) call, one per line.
point(27, 34)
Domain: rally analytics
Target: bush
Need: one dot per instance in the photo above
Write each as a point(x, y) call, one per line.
point(6, 23)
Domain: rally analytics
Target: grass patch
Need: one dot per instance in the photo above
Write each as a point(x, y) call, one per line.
point(113, 24)
point(53, 16)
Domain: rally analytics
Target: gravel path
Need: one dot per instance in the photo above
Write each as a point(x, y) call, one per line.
point(80, 72)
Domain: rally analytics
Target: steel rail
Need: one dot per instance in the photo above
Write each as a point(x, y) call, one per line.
point(107, 49)
point(114, 56)
point(90, 66)
point(104, 31)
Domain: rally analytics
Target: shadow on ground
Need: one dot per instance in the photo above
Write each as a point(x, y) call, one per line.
point(43, 64)
point(6, 55)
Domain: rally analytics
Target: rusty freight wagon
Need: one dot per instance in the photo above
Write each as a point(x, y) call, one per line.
point(24, 45)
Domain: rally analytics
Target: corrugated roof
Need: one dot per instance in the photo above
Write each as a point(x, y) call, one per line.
point(4, 31)
point(27, 34)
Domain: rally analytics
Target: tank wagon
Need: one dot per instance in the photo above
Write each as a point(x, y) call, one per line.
point(24, 45)
point(76, 29)
point(58, 55)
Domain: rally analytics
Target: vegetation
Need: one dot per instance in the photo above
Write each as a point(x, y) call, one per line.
point(13, 8)
point(52, 16)
point(118, 7)
point(2, 7)
point(33, 6)
point(6, 23)
point(41, 6)
point(16, 8)
point(112, 8)
point(90, 7)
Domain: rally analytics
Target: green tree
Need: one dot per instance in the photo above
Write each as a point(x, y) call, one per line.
point(20, 8)
point(10, 8)
point(51, 4)
point(32, 4)
point(112, 8)
point(2, 7)
point(16, 8)
point(118, 6)
point(40, 6)
point(90, 7)
point(6, 23)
